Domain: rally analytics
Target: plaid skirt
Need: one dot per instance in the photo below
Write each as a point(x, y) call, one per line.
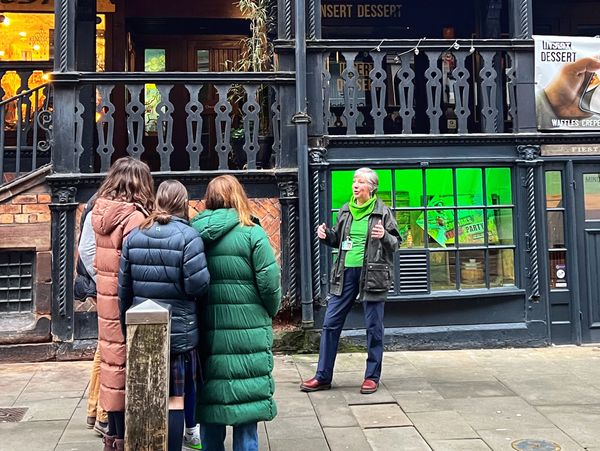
point(184, 373)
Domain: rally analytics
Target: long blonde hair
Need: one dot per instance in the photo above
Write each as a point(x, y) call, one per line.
point(129, 180)
point(171, 200)
point(225, 191)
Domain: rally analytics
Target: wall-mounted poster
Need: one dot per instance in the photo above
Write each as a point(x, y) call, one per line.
point(567, 83)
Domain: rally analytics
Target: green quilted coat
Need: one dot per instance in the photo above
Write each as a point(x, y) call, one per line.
point(236, 332)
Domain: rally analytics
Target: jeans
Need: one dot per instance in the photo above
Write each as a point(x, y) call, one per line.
point(338, 308)
point(93, 407)
point(245, 437)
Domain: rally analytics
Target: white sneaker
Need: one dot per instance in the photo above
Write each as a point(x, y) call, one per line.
point(191, 438)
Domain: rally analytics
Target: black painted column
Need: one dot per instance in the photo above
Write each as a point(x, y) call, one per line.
point(520, 21)
point(63, 208)
point(85, 31)
point(531, 173)
point(318, 166)
point(65, 93)
point(288, 198)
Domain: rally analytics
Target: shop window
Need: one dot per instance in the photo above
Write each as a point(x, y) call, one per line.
point(555, 224)
point(16, 281)
point(30, 37)
point(462, 219)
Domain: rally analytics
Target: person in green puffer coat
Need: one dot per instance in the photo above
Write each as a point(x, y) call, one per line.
point(236, 332)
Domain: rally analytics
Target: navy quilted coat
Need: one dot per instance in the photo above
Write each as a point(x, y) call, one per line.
point(166, 263)
point(236, 330)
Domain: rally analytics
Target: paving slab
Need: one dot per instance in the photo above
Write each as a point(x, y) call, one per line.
point(397, 439)
point(298, 444)
point(471, 389)
point(442, 425)
point(380, 416)
point(547, 389)
point(31, 435)
point(297, 405)
point(332, 409)
point(580, 422)
point(459, 445)
point(77, 432)
point(416, 395)
point(291, 428)
point(56, 409)
point(502, 439)
point(499, 413)
point(346, 438)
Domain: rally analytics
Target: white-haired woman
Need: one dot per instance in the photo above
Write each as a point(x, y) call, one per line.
point(366, 236)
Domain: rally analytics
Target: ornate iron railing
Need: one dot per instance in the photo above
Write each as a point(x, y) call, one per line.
point(25, 132)
point(420, 86)
point(179, 121)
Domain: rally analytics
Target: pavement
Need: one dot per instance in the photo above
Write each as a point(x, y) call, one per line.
point(470, 400)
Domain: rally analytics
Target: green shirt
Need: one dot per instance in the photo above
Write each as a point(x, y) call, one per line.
point(358, 235)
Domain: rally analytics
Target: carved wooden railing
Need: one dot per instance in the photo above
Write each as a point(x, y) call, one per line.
point(178, 121)
point(25, 132)
point(420, 86)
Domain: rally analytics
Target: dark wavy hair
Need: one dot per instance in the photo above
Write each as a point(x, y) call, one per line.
point(129, 180)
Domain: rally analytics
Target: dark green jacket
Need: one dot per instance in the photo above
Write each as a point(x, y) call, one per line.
point(376, 274)
point(236, 334)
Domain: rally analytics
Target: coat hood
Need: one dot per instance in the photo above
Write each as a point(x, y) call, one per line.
point(108, 214)
point(215, 224)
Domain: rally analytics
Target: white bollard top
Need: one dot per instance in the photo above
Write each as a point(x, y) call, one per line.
point(148, 312)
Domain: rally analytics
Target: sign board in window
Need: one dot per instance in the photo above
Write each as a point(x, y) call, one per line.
point(567, 85)
point(364, 11)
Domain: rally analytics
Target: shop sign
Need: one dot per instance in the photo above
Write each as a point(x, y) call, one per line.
point(553, 150)
point(567, 85)
point(102, 6)
point(360, 11)
point(561, 275)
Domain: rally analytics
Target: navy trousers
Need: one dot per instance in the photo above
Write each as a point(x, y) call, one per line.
point(337, 310)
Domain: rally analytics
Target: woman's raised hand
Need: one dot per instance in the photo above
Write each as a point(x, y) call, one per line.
point(321, 231)
point(378, 231)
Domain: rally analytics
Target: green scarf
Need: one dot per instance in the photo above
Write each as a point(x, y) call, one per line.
point(360, 211)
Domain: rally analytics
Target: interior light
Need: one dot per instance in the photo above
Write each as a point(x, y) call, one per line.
point(1, 52)
point(36, 47)
point(4, 20)
point(22, 33)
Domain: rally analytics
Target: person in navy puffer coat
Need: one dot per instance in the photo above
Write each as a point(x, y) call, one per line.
point(164, 261)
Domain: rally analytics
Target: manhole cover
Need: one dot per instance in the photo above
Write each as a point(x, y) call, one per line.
point(12, 414)
point(537, 445)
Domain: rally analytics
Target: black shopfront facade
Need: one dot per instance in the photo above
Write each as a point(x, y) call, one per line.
point(498, 220)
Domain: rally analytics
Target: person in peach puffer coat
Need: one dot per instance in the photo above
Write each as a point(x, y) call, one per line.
point(124, 200)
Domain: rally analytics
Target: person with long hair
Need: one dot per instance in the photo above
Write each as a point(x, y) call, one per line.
point(236, 333)
point(366, 237)
point(124, 200)
point(164, 261)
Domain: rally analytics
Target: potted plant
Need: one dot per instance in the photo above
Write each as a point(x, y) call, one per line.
point(256, 56)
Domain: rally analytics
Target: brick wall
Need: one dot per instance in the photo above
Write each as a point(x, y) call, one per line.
point(25, 225)
point(29, 208)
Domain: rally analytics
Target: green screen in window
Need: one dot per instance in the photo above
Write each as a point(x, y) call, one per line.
point(341, 187)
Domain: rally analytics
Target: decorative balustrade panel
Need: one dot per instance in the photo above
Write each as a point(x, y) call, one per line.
point(181, 122)
point(26, 132)
point(424, 87)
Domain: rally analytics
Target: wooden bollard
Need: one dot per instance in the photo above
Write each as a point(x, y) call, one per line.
point(147, 387)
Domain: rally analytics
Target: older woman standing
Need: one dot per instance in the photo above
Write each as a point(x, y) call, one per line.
point(366, 235)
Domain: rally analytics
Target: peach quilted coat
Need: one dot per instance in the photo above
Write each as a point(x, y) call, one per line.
point(112, 222)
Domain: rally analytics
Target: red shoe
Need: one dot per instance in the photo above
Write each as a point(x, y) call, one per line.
point(313, 385)
point(369, 386)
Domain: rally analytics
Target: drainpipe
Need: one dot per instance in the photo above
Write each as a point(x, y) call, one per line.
point(301, 119)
